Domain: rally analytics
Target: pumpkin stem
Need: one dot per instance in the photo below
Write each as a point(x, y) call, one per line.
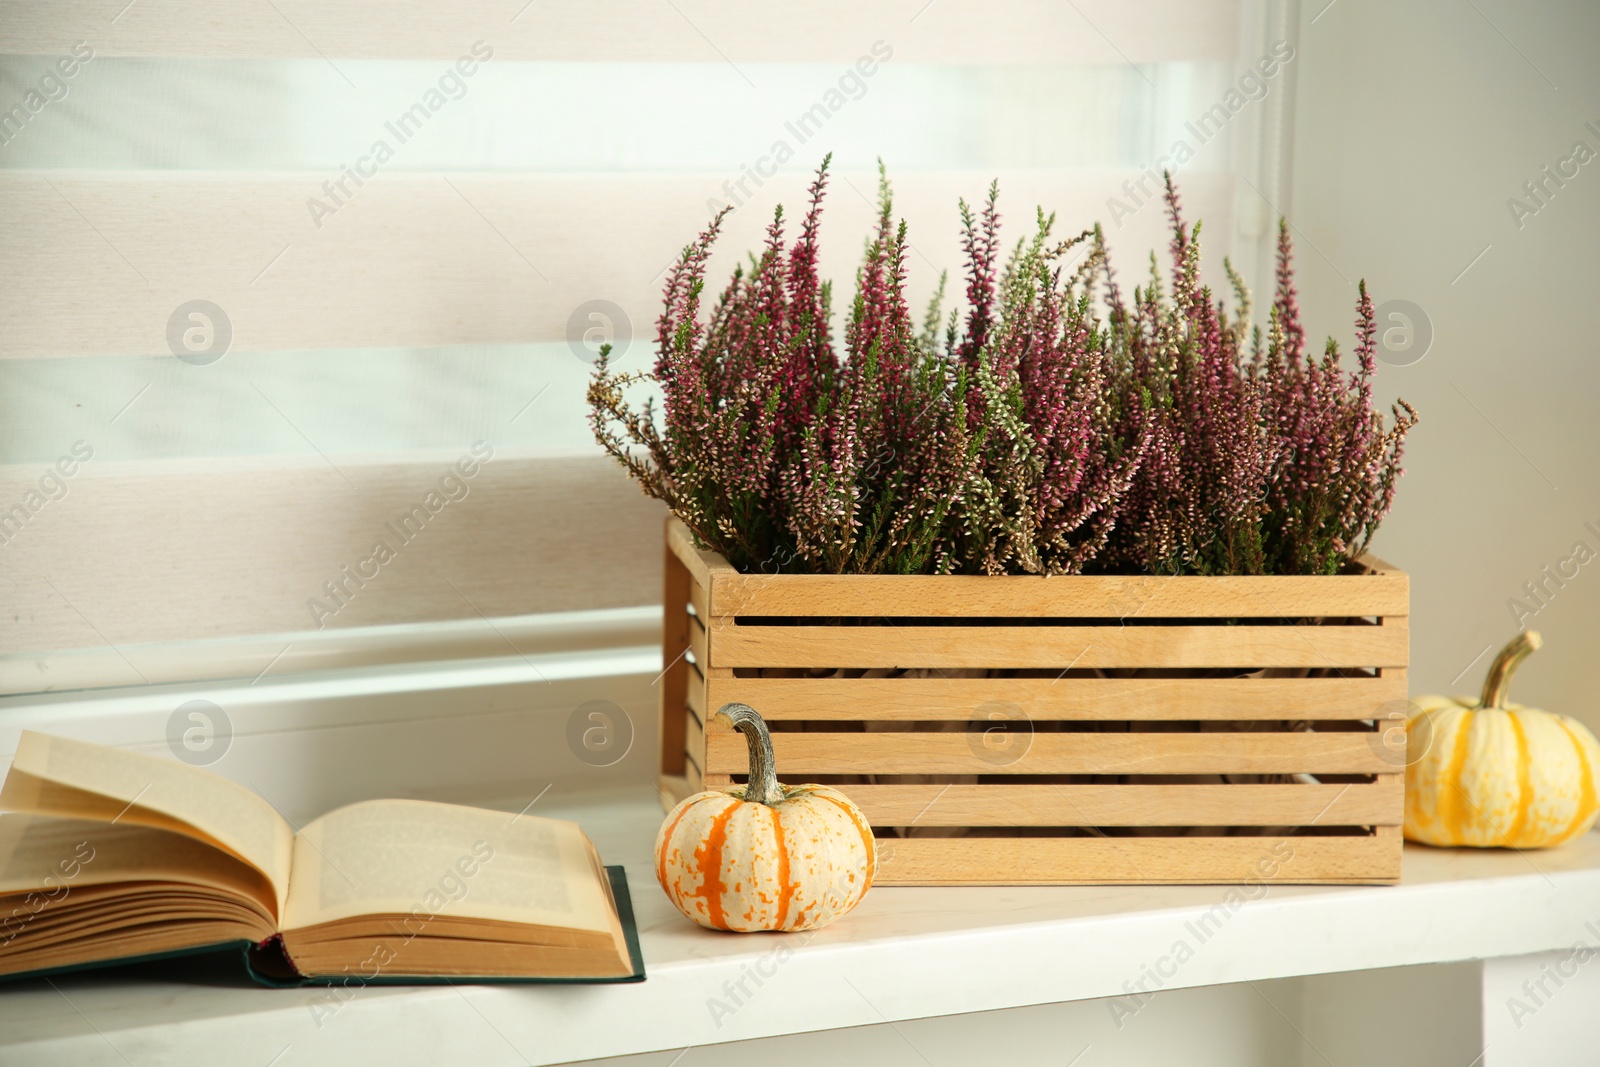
point(1505, 664)
point(763, 787)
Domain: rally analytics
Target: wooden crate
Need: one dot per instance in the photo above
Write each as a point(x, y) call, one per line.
point(1133, 680)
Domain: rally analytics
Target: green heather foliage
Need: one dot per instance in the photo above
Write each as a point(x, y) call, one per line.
point(1047, 427)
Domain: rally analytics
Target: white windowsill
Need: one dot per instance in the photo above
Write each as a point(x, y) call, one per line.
point(282, 655)
point(904, 954)
point(396, 721)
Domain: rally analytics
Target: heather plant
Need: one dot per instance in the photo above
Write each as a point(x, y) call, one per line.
point(869, 490)
point(1262, 461)
point(1341, 463)
point(1054, 460)
point(1198, 501)
point(1053, 428)
point(739, 391)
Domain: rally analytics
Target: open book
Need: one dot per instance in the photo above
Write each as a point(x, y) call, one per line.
point(108, 856)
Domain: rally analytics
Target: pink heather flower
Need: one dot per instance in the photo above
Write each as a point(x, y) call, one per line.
point(1053, 428)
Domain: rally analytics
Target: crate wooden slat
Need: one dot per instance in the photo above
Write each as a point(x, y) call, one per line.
point(700, 564)
point(676, 589)
point(697, 642)
point(695, 691)
point(968, 596)
point(1057, 753)
point(929, 699)
point(1105, 653)
point(698, 599)
point(1082, 647)
point(695, 743)
point(1382, 590)
point(960, 804)
point(1142, 860)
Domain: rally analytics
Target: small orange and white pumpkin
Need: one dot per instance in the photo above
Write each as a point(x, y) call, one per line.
point(764, 856)
point(1498, 774)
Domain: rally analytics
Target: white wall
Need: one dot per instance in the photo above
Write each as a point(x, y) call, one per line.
point(1415, 124)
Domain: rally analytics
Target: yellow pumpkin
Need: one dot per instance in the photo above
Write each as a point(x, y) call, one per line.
point(1497, 774)
point(764, 856)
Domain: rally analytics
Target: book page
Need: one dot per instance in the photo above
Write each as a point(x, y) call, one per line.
point(76, 891)
point(424, 860)
point(77, 779)
point(55, 860)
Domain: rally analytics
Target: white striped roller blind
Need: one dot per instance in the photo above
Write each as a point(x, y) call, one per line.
point(279, 264)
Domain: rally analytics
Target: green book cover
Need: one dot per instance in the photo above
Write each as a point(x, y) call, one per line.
point(267, 965)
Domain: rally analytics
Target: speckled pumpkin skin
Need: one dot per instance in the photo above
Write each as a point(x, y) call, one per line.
point(1510, 777)
point(729, 864)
